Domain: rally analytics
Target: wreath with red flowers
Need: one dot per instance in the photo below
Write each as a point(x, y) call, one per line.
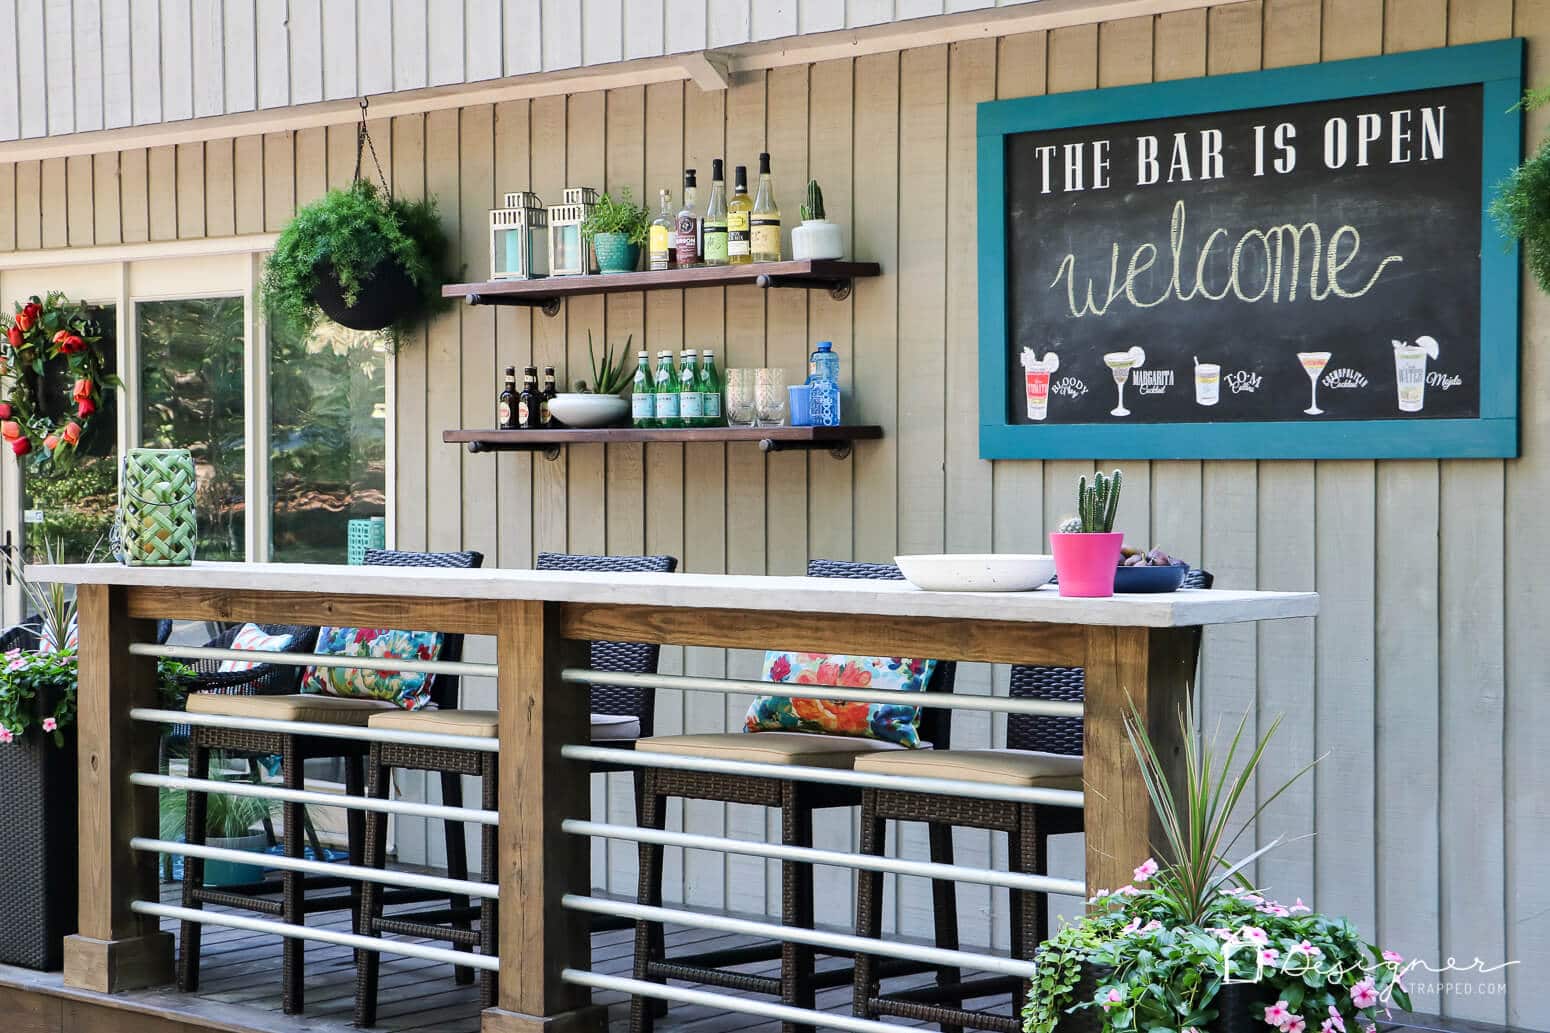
point(40, 331)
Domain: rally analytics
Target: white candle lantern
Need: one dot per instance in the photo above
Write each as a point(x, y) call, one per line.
point(519, 239)
point(570, 253)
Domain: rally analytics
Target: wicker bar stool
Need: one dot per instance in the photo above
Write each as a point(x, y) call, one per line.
point(297, 898)
point(798, 983)
point(620, 716)
point(1041, 751)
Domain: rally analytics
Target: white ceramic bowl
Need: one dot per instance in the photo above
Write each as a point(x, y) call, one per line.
point(1006, 572)
point(579, 410)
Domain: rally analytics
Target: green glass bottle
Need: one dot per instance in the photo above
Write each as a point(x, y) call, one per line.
point(690, 406)
point(710, 391)
point(643, 410)
point(666, 392)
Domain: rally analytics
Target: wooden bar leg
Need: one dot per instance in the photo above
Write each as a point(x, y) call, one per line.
point(1153, 668)
point(489, 910)
point(538, 862)
point(115, 948)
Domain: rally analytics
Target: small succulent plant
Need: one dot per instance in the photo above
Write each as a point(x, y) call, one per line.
point(1096, 505)
point(812, 208)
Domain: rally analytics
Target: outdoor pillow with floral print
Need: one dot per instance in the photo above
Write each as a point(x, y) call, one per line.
point(408, 690)
point(889, 722)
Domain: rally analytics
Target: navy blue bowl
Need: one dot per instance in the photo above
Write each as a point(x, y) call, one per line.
point(1150, 579)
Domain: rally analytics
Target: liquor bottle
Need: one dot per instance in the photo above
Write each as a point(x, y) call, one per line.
point(661, 234)
point(765, 223)
point(666, 392)
point(530, 401)
point(691, 407)
point(716, 218)
point(710, 391)
point(739, 213)
point(643, 410)
point(689, 243)
point(546, 417)
point(506, 408)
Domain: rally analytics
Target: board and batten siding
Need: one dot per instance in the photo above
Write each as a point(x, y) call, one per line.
point(1424, 686)
point(116, 63)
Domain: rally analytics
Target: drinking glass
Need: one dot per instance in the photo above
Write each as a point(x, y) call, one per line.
point(770, 397)
point(740, 397)
point(1313, 363)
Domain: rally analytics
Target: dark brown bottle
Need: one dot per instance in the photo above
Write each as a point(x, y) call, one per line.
point(530, 403)
point(506, 408)
point(547, 418)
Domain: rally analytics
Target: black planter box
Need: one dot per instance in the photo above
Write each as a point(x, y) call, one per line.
point(37, 850)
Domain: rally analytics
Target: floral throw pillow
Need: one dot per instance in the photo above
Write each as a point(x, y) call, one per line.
point(408, 690)
point(897, 723)
point(251, 636)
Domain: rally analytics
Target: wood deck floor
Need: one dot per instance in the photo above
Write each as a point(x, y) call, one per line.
point(240, 991)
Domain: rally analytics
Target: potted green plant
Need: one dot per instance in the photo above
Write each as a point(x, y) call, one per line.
point(817, 237)
point(1086, 546)
point(618, 231)
point(364, 260)
point(229, 825)
point(1190, 945)
point(38, 773)
point(597, 404)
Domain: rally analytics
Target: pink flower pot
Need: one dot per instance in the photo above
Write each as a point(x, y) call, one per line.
point(1085, 563)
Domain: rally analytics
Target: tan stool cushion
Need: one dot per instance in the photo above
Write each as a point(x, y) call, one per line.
point(326, 710)
point(486, 723)
point(823, 751)
point(1000, 767)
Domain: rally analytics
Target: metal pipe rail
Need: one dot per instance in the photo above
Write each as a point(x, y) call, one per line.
point(316, 799)
point(945, 700)
point(465, 668)
point(831, 776)
point(358, 873)
point(846, 942)
point(487, 962)
point(725, 1002)
point(488, 744)
point(834, 858)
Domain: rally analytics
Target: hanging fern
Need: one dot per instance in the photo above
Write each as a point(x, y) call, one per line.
point(1522, 210)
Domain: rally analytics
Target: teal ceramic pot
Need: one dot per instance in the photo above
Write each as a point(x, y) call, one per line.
point(615, 253)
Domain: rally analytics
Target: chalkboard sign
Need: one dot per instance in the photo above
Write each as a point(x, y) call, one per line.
point(1292, 263)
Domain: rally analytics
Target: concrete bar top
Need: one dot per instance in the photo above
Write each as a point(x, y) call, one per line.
point(1185, 608)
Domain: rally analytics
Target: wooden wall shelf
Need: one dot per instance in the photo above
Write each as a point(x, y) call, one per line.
point(834, 440)
point(546, 293)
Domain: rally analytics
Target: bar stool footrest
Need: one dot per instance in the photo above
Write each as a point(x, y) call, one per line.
point(238, 900)
point(944, 1016)
point(715, 977)
point(427, 930)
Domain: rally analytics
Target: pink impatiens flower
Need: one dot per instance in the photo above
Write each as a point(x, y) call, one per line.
point(1294, 1024)
point(6, 736)
point(1364, 994)
point(1335, 1022)
point(1307, 948)
point(1299, 906)
point(1277, 1013)
point(1269, 956)
point(49, 724)
point(1147, 869)
point(1111, 998)
point(1255, 935)
point(1128, 891)
point(1393, 957)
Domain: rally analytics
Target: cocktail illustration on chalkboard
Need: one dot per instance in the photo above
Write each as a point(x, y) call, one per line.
point(1410, 371)
point(1208, 382)
point(1313, 364)
point(1120, 364)
point(1036, 373)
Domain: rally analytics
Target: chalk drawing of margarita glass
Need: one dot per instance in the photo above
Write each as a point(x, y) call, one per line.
point(1036, 374)
point(1120, 364)
point(1410, 371)
point(1313, 364)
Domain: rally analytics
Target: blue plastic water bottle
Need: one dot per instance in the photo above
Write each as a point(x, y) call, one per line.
point(823, 375)
point(823, 364)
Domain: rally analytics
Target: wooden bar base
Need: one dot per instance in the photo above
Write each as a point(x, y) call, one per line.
point(112, 966)
point(592, 1018)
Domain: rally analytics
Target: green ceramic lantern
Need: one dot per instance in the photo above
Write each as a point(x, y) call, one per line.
point(156, 508)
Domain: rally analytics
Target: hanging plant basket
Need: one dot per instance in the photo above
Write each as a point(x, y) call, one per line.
point(387, 297)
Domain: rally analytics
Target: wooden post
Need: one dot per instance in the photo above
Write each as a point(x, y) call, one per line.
point(1154, 668)
point(537, 862)
point(115, 948)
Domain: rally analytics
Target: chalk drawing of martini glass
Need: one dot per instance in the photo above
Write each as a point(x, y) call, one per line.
point(1313, 363)
point(1120, 364)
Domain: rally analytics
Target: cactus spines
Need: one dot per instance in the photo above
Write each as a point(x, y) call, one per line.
point(813, 208)
point(1096, 505)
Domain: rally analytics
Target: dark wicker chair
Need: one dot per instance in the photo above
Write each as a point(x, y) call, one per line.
point(1050, 749)
point(300, 895)
point(454, 924)
point(798, 982)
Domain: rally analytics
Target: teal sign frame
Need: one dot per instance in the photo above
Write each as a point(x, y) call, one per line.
point(1496, 66)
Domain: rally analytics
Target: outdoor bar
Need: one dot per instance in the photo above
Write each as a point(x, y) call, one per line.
point(701, 516)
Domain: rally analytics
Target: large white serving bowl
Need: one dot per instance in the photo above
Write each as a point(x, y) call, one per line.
point(580, 410)
point(1005, 572)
